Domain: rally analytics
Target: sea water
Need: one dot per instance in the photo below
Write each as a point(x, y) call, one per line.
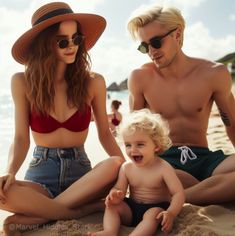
point(7, 127)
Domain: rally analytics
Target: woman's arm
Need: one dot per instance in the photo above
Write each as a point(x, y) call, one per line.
point(98, 93)
point(20, 145)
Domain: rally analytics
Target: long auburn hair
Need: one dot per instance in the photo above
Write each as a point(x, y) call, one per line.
point(41, 67)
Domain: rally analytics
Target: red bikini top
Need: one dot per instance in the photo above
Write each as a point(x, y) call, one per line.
point(115, 121)
point(79, 121)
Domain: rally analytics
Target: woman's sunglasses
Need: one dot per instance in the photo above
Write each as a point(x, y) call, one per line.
point(64, 43)
point(155, 42)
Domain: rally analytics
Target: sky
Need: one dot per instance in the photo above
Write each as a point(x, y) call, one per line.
point(209, 33)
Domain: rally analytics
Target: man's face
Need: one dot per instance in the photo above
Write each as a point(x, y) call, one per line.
point(158, 42)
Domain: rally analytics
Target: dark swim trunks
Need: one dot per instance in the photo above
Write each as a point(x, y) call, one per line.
point(138, 209)
point(200, 162)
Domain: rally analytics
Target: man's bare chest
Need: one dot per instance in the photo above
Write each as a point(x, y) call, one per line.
point(183, 98)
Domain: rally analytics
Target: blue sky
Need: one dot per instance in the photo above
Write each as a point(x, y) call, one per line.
point(210, 32)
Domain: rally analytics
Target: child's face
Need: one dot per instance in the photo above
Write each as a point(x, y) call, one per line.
point(140, 148)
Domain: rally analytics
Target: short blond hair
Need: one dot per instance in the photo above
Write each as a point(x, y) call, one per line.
point(151, 124)
point(168, 17)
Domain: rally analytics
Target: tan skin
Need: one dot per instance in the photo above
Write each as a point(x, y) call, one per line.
point(13, 193)
point(182, 89)
point(160, 184)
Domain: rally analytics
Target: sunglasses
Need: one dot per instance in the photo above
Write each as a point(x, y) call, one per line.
point(64, 43)
point(155, 42)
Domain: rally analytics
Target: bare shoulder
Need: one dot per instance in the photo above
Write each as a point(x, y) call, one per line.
point(96, 82)
point(18, 82)
point(164, 165)
point(142, 75)
point(127, 165)
point(210, 67)
point(95, 75)
point(143, 71)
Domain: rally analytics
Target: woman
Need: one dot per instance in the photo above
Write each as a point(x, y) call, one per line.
point(54, 97)
point(116, 117)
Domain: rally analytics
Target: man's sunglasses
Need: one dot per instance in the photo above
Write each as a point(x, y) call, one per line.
point(155, 42)
point(64, 43)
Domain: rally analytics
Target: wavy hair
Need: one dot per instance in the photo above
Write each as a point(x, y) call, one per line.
point(41, 67)
point(151, 124)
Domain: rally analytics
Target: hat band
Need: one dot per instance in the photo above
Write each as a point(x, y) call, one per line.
point(52, 14)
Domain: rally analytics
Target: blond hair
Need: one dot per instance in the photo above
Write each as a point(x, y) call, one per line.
point(168, 17)
point(150, 123)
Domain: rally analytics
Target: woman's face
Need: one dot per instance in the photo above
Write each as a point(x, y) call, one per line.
point(66, 51)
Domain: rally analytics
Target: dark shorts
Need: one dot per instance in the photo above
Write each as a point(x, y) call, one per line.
point(200, 162)
point(138, 209)
point(55, 169)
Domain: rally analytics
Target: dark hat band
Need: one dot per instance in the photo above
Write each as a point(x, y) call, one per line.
point(52, 14)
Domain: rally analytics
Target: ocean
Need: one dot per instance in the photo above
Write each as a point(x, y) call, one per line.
point(7, 127)
point(216, 133)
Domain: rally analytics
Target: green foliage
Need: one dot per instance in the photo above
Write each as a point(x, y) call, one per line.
point(228, 58)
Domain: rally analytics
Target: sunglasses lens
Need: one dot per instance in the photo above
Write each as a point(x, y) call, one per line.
point(63, 43)
point(156, 43)
point(143, 48)
point(78, 40)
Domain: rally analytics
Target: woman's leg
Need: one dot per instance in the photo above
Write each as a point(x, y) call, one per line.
point(87, 189)
point(31, 199)
point(94, 185)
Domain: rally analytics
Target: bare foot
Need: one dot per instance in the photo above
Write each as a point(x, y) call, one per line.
point(101, 233)
point(16, 224)
point(10, 228)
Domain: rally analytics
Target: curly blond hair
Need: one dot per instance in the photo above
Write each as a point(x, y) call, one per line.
point(150, 123)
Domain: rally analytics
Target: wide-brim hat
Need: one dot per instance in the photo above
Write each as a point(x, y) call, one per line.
point(92, 26)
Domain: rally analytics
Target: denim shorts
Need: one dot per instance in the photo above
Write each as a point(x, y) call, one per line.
point(55, 169)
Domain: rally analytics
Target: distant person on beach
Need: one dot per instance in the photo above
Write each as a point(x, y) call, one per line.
point(115, 117)
point(54, 98)
point(183, 89)
point(156, 194)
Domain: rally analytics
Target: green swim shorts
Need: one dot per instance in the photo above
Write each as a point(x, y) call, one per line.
point(200, 162)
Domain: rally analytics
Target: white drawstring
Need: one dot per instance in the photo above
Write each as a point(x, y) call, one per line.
point(186, 153)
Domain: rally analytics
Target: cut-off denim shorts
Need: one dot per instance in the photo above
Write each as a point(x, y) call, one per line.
point(55, 169)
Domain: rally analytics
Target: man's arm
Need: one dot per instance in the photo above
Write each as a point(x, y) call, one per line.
point(135, 87)
point(225, 100)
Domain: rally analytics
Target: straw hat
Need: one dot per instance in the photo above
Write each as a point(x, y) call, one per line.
point(92, 26)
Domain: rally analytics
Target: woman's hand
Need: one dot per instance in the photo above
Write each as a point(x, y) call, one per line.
point(5, 182)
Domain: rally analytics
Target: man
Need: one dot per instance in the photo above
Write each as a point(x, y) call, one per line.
point(182, 89)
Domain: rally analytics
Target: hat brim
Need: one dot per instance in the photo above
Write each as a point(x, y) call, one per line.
point(92, 26)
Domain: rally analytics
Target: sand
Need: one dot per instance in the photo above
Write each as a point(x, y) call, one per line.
point(212, 220)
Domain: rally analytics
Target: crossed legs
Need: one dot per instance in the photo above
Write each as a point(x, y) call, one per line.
point(69, 204)
point(219, 188)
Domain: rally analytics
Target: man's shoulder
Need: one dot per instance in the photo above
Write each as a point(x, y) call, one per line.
point(211, 72)
point(146, 70)
point(208, 65)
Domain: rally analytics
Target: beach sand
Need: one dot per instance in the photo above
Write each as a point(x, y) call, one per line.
point(212, 220)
